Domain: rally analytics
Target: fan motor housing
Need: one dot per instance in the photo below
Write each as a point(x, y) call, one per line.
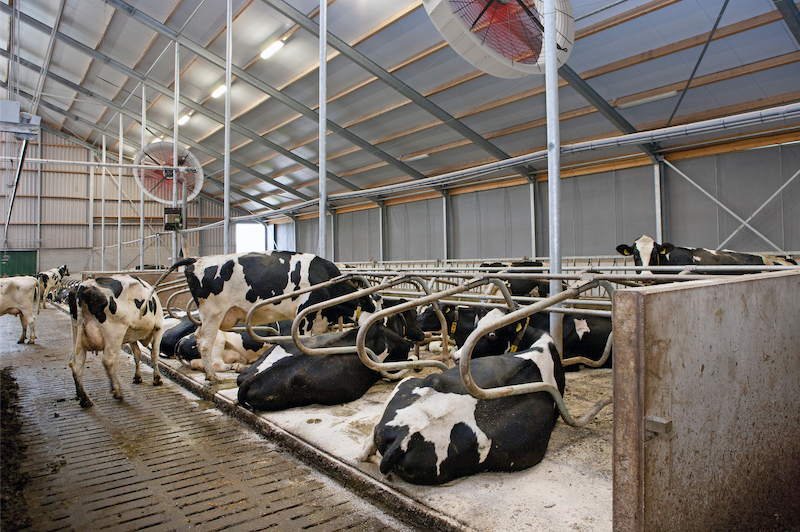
point(173, 219)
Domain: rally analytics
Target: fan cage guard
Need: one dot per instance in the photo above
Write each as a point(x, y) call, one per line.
point(157, 183)
point(505, 42)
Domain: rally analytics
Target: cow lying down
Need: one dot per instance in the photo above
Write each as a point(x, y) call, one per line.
point(284, 377)
point(432, 431)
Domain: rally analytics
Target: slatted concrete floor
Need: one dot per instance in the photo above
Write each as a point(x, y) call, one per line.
point(158, 460)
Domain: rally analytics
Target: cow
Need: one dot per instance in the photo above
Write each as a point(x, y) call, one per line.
point(49, 283)
point(18, 297)
point(226, 287)
point(647, 252)
point(521, 287)
point(583, 336)
point(433, 431)
point(109, 314)
point(174, 331)
point(284, 377)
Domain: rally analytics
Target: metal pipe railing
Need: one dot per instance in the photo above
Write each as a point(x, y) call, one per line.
point(519, 389)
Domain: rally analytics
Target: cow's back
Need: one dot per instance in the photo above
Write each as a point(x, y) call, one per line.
point(16, 293)
point(116, 301)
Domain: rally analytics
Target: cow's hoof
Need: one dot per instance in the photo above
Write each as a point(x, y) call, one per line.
point(86, 403)
point(22, 341)
point(31, 342)
point(156, 382)
point(137, 379)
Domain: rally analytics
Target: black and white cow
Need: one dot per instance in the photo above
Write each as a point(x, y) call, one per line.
point(522, 287)
point(648, 252)
point(583, 336)
point(432, 431)
point(240, 349)
point(18, 297)
point(284, 377)
point(49, 283)
point(109, 316)
point(226, 287)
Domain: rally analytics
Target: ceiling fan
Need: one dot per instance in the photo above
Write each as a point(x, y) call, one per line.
point(504, 38)
point(157, 183)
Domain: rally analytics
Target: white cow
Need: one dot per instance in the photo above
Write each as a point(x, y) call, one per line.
point(109, 316)
point(18, 297)
point(50, 282)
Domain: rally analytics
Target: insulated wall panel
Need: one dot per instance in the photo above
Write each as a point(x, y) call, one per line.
point(414, 230)
point(358, 235)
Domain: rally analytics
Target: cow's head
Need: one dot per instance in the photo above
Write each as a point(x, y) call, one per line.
point(404, 323)
point(64, 271)
point(646, 252)
point(510, 338)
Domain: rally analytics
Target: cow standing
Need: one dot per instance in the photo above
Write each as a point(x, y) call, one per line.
point(226, 287)
point(647, 252)
point(18, 297)
point(49, 283)
point(109, 316)
point(433, 431)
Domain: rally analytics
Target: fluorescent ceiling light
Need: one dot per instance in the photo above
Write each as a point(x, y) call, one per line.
point(184, 119)
point(219, 92)
point(417, 158)
point(274, 47)
point(649, 99)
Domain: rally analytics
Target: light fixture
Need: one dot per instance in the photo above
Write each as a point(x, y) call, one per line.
point(649, 99)
point(417, 158)
point(185, 118)
point(219, 92)
point(157, 139)
point(274, 47)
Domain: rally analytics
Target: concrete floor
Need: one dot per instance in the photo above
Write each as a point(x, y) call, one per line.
point(569, 490)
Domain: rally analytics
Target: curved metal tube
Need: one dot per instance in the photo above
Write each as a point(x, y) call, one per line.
point(519, 389)
point(189, 313)
point(588, 361)
point(295, 293)
point(168, 306)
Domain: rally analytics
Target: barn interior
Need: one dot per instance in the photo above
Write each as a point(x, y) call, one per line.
point(676, 119)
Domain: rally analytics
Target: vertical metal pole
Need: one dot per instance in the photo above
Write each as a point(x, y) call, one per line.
point(657, 188)
point(141, 190)
point(323, 123)
point(334, 232)
point(446, 225)
point(119, 200)
point(553, 161)
point(532, 187)
point(91, 216)
point(226, 224)
point(39, 208)
point(177, 91)
point(382, 227)
point(103, 211)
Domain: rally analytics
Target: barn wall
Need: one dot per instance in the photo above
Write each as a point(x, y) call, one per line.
point(357, 235)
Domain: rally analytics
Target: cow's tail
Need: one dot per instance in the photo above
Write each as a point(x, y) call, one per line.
point(393, 454)
point(36, 295)
point(182, 262)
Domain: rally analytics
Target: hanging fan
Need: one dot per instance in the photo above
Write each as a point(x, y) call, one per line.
point(504, 38)
point(157, 183)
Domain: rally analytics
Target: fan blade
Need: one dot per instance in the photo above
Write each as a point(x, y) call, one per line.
point(157, 184)
point(536, 22)
point(490, 2)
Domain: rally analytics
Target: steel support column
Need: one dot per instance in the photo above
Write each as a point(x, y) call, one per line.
point(657, 181)
point(141, 189)
point(177, 89)
point(323, 130)
point(226, 231)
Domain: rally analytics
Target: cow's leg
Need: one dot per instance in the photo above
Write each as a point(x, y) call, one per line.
point(110, 355)
point(155, 344)
point(137, 357)
point(24, 324)
point(77, 364)
point(30, 318)
point(207, 341)
point(43, 300)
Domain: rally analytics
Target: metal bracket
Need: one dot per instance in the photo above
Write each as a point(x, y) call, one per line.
point(654, 426)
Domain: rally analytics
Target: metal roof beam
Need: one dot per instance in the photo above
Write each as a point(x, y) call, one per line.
point(155, 25)
point(162, 129)
point(791, 15)
point(611, 114)
point(185, 101)
point(392, 81)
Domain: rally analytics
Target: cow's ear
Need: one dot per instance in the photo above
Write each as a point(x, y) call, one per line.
point(665, 248)
point(624, 249)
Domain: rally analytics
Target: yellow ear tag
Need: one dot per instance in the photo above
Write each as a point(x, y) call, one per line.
point(519, 326)
point(513, 349)
point(453, 328)
point(358, 312)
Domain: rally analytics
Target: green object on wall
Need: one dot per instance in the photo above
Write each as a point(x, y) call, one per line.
point(17, 263)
